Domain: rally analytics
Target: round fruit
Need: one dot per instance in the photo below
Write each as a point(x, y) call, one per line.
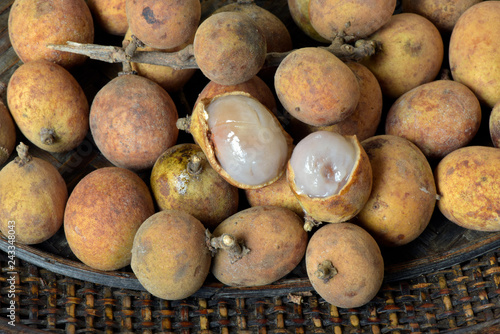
point(102, 215)
point(403, 194)
point(316, 87)
point(344, 264)
point(110, 15)
point(7, 134)
point(243, 141)
point(331, 176)
point(33, 196)
point(182, 179)
point(33, 24)
point(48, 105)
point(468, 183)
point(474, 52)
point(229, 48)
point(270, 243)
point(169, 255)
point(414, 115)
point(163, 24)
point(494, 125)
point(171, 79)
point(132, 120)
point(299, 10)
point(443, 13)
point(412, 54)
point(356, 18)
point(365, 119)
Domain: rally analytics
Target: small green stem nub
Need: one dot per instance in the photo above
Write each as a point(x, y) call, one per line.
point(194, 166)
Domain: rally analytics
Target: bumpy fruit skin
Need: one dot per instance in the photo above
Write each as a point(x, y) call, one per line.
point(299, 10)
point(316, 87)
point(468, 183)
point(43, 95)
point(203, 193)
point(163, 24)
point(35, 23)
point(403, 194)
point(132, 120)
point(229, 48)
point(413, 116)
point(348, 201)
point(102, 215)
point(353, 18)
point(110, 15)
point(411, 55)
point(7, 134)
point(33, 196)
point(443, 13)
point(169, 256)
point(276, 241)
point(357, 259)
point(494, 125)
point(474, 52)
point(365, 119)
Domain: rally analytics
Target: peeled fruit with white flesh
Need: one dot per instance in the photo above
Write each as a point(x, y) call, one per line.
point(243, 141)
point(331, 176)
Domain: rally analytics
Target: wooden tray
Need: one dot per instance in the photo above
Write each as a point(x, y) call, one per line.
point(443, 244)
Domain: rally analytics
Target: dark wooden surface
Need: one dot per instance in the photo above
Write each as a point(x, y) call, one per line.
point(441, 245)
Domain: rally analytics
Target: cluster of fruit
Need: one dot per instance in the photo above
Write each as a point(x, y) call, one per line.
point(325, 164)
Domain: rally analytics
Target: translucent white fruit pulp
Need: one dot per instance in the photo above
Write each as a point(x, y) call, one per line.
point(248, 140)
point(322, 163)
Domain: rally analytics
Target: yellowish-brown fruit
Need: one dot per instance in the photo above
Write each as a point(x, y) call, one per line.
point(270, 243)
point(182, 179)
point(494, 125)
point(353, 190)
point(403, 195)
point(344, 264)
point(33, 24)
point(169, 255)
point(172, 80)
point(48, 105)
point(356, 18)
point(266, 141)
point(299, 10)
point(110, 15)
point(103, 214)
point(365, 119)
point(316, 87)
point(277, 194)
point(474, 52)
point(468, 183)
point(414, 114)
point(7, 134)
point(33, 196)
point(443, 13)
point(412, 54)
point(163, 24)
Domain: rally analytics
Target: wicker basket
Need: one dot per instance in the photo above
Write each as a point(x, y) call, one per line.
point(446, 280)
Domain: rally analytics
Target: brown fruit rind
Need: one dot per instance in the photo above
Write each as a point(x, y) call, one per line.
point(403, 194)
point(198, 190)
point(33, 196)
point(110, 15)
point(169, 255)
point(276, 242)
point(469, 187)
point(7, 134)
point(349, 200)
point(102, 215)
point(358, 266)
point(494, 125)
point(198, 127)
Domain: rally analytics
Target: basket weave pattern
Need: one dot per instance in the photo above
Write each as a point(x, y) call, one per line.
point(463, 296)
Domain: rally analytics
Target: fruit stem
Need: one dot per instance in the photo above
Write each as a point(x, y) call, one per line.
point(228, 243)
point(47, 136)
point(23, 156)
point(183, 124)
point(310, 223)
point(326, 271)
point(194, 165)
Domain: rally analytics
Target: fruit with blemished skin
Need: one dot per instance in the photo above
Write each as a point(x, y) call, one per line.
point(494, 125)
point(7, 134)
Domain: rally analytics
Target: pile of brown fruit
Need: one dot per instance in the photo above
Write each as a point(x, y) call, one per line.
point(297, 132)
